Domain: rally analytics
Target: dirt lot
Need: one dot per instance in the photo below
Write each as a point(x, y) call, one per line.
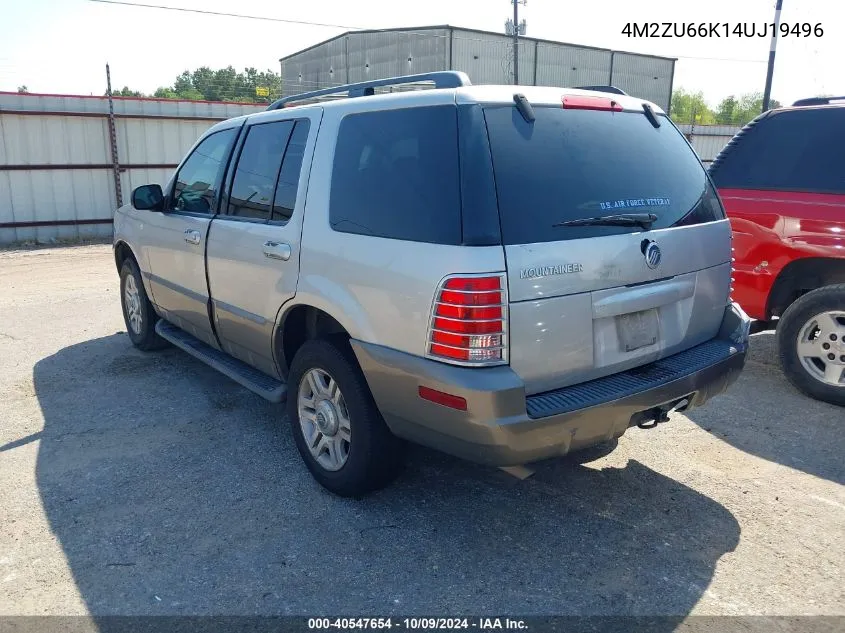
point(135, 483)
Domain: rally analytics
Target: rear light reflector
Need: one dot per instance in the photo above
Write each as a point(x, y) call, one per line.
point(469, 323)
point(479, 356)
point(441, 397)
point(471, 299)
point(577, 102)
point(468, 327)
point(471, 341)
point(473, 314)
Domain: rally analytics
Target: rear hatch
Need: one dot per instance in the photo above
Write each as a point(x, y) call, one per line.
point(592, 299)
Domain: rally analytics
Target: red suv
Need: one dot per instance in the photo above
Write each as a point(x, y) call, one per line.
point(782, 181)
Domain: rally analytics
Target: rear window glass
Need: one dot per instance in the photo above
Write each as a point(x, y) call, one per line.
point(396, 175)
point(573, 164)
point(793, 150)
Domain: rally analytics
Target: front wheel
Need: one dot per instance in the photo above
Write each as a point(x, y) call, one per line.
point(138, 312)
point(811, 342)
point(336, 424)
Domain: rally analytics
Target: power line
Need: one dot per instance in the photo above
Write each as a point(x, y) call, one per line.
point(286, 21)
point(723, 59)
point(427, 33)
point(227, 15)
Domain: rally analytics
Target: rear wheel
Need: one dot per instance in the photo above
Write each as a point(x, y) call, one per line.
point(138, 312)
point(811, 342)
point(338, 429)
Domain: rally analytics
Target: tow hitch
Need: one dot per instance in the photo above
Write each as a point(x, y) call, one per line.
point(652, 417)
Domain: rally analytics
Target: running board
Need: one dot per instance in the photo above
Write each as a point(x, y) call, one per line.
point(257, 381)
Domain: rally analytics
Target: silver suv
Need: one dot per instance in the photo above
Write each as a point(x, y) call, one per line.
point(503, 273)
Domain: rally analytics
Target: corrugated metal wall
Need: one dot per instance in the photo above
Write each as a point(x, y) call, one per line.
point(168, 108)
point(393, 53)
point(56, 173)
point(486, 57)
point(366, 55)
point(563, 65)
point(316, 68)
point(46, 195)
point(645, 77)
point(708, 140)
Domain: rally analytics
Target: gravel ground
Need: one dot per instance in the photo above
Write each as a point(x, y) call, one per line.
point(135, 483)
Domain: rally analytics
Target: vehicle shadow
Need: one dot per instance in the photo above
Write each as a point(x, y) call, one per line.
point(764, 415)
point(173, 491)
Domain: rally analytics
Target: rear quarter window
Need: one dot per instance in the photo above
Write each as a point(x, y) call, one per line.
point(396, 175)
point(788, 150)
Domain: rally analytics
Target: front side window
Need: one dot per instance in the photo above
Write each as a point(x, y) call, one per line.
point(258, 166)
point(197, 179)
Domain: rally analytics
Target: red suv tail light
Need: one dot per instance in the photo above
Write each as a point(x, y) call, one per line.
point(469, 321)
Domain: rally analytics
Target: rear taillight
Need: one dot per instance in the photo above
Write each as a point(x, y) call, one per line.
point(469, 320)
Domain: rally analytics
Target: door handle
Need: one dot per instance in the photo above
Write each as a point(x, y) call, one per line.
point(192, 236)
point(277, 250)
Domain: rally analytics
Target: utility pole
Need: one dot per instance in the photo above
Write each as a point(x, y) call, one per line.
point(767, 95)
point(115, 163)
point(516, 42)
point(515, 29)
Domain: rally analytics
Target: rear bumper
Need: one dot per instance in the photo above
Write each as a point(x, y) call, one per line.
point(503, 427)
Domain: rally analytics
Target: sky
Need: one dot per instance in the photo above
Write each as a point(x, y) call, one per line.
point(62, 46)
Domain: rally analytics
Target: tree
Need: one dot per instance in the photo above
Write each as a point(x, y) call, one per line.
point(733, 111)
point(126, 92)
point(727, 110)
point(690, 107)
point(165, 93)
point(224, 84)
point(183, 83)
point(22, 90)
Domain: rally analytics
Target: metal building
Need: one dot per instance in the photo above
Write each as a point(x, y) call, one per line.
point(486, 57)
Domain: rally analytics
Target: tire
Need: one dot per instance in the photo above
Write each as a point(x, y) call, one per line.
point(138, 313)
point(815, 320)
point(365, 456)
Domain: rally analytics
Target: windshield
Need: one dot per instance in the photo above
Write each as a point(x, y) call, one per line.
point(573, 164)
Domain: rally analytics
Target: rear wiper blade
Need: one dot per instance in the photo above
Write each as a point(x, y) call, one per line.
point(644, 220)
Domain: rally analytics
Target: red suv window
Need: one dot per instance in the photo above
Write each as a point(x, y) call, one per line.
point(787, 150)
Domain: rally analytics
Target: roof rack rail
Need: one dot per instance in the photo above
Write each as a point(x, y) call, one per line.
point(818, 101)
point(441, 79)
point(610, 89)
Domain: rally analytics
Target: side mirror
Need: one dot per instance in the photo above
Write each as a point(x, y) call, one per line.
point(148, 198)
